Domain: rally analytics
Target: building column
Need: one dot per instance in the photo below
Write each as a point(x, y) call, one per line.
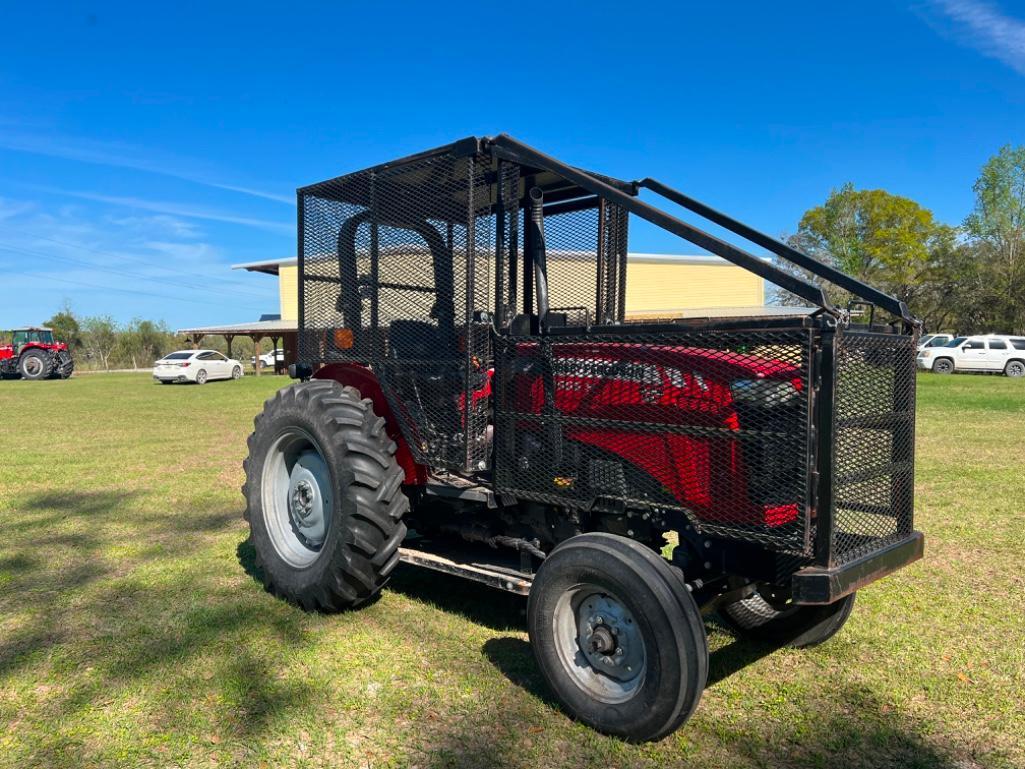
point(256, 354)
point(196, 339)
point(228, 338)
point(274, 341)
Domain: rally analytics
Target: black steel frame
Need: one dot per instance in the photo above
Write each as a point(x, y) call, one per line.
point(524, 284)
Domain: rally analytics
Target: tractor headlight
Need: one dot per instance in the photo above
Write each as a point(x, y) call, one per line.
point(768, 391)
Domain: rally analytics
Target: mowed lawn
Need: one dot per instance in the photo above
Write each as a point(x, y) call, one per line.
point(132, 632)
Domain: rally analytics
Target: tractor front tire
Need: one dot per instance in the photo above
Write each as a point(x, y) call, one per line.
point(617, 636)
point(34, 364)
point(324, 497)
point(799, 627)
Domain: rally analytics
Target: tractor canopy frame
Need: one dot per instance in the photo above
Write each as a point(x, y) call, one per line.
point(484, 283)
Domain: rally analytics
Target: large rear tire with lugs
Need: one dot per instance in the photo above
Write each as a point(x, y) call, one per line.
point(35, 364)
point(324, 496)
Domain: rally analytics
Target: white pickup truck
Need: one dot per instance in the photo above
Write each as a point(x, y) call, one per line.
point(993, 353)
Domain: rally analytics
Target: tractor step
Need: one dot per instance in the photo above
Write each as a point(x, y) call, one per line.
point(489, 566)
point(457, 487)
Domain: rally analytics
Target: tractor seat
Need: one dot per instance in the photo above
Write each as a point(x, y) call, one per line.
point(413, 340)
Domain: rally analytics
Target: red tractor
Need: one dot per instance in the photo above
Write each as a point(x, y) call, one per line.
point(33, 354)
point(475, 400)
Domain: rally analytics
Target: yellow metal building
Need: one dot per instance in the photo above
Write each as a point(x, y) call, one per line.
point(657, 285)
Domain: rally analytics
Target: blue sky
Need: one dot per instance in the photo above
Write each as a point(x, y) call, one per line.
point(145, 147)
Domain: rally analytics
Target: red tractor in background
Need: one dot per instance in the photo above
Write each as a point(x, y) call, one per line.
point(33, 354)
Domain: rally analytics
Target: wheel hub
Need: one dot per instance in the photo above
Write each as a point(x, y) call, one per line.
point(609, 637)
point(308, 499)
point(301, 502)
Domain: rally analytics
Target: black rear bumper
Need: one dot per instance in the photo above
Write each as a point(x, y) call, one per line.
point(819, 585)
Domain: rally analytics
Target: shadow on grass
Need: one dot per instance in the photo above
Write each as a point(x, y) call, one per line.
point(854, 727)
point(480, 604)
point(246, 554)
point(851, 728)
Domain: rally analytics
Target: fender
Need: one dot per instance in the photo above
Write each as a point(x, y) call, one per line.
point(364, 380)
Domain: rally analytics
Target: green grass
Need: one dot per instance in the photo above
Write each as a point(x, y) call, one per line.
point(133, 634)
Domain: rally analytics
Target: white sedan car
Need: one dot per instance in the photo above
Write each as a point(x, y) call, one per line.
point(197, 366)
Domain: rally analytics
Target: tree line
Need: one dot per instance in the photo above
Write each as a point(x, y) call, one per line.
point(966, 278)
point(101, 343)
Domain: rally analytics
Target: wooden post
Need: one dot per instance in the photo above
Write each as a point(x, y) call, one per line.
point(196, 339)
point(228, 338)
point(274, 354)
point(256, 354)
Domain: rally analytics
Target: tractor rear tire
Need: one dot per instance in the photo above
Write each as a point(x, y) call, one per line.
point(618, 636)
point(34, 364)
point(324, 497)
point(799, 627)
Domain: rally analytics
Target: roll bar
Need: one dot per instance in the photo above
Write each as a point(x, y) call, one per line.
point(504, 146)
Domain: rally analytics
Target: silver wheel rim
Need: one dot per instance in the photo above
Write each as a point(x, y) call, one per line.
point(296, 497)
point(32, 366)
point(943, 366)
point(236, 373)
point(599, 643)
point(201, 377)
point(1015, 369)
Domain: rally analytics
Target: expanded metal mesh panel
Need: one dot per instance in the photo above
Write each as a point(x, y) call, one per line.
point(713, 424)
point(507, 244)
point(586, 257)
point(394, 263)
point(874, 437)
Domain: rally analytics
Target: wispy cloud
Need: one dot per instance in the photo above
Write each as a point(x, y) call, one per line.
point(985, 27)
point(121, 155)
point(156, 266)
point(173, 209)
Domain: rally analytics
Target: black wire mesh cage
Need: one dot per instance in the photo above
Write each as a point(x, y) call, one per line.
point(873, 442)
point(711, 424)
point(394, 275)
point(793, 432)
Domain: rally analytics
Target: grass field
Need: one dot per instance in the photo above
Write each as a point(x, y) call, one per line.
point(132, 632)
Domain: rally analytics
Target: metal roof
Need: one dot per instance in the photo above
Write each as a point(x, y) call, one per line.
point(271, 266)
point(264, 327)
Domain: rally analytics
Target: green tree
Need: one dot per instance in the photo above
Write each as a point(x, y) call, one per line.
point(143, 341)
point(996, 227)
point(885, 240)
point(889, 242)
point(66, 327)
point(100, 337)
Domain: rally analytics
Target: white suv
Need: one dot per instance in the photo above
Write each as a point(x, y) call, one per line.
point(934, 340)
point(977, 353)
